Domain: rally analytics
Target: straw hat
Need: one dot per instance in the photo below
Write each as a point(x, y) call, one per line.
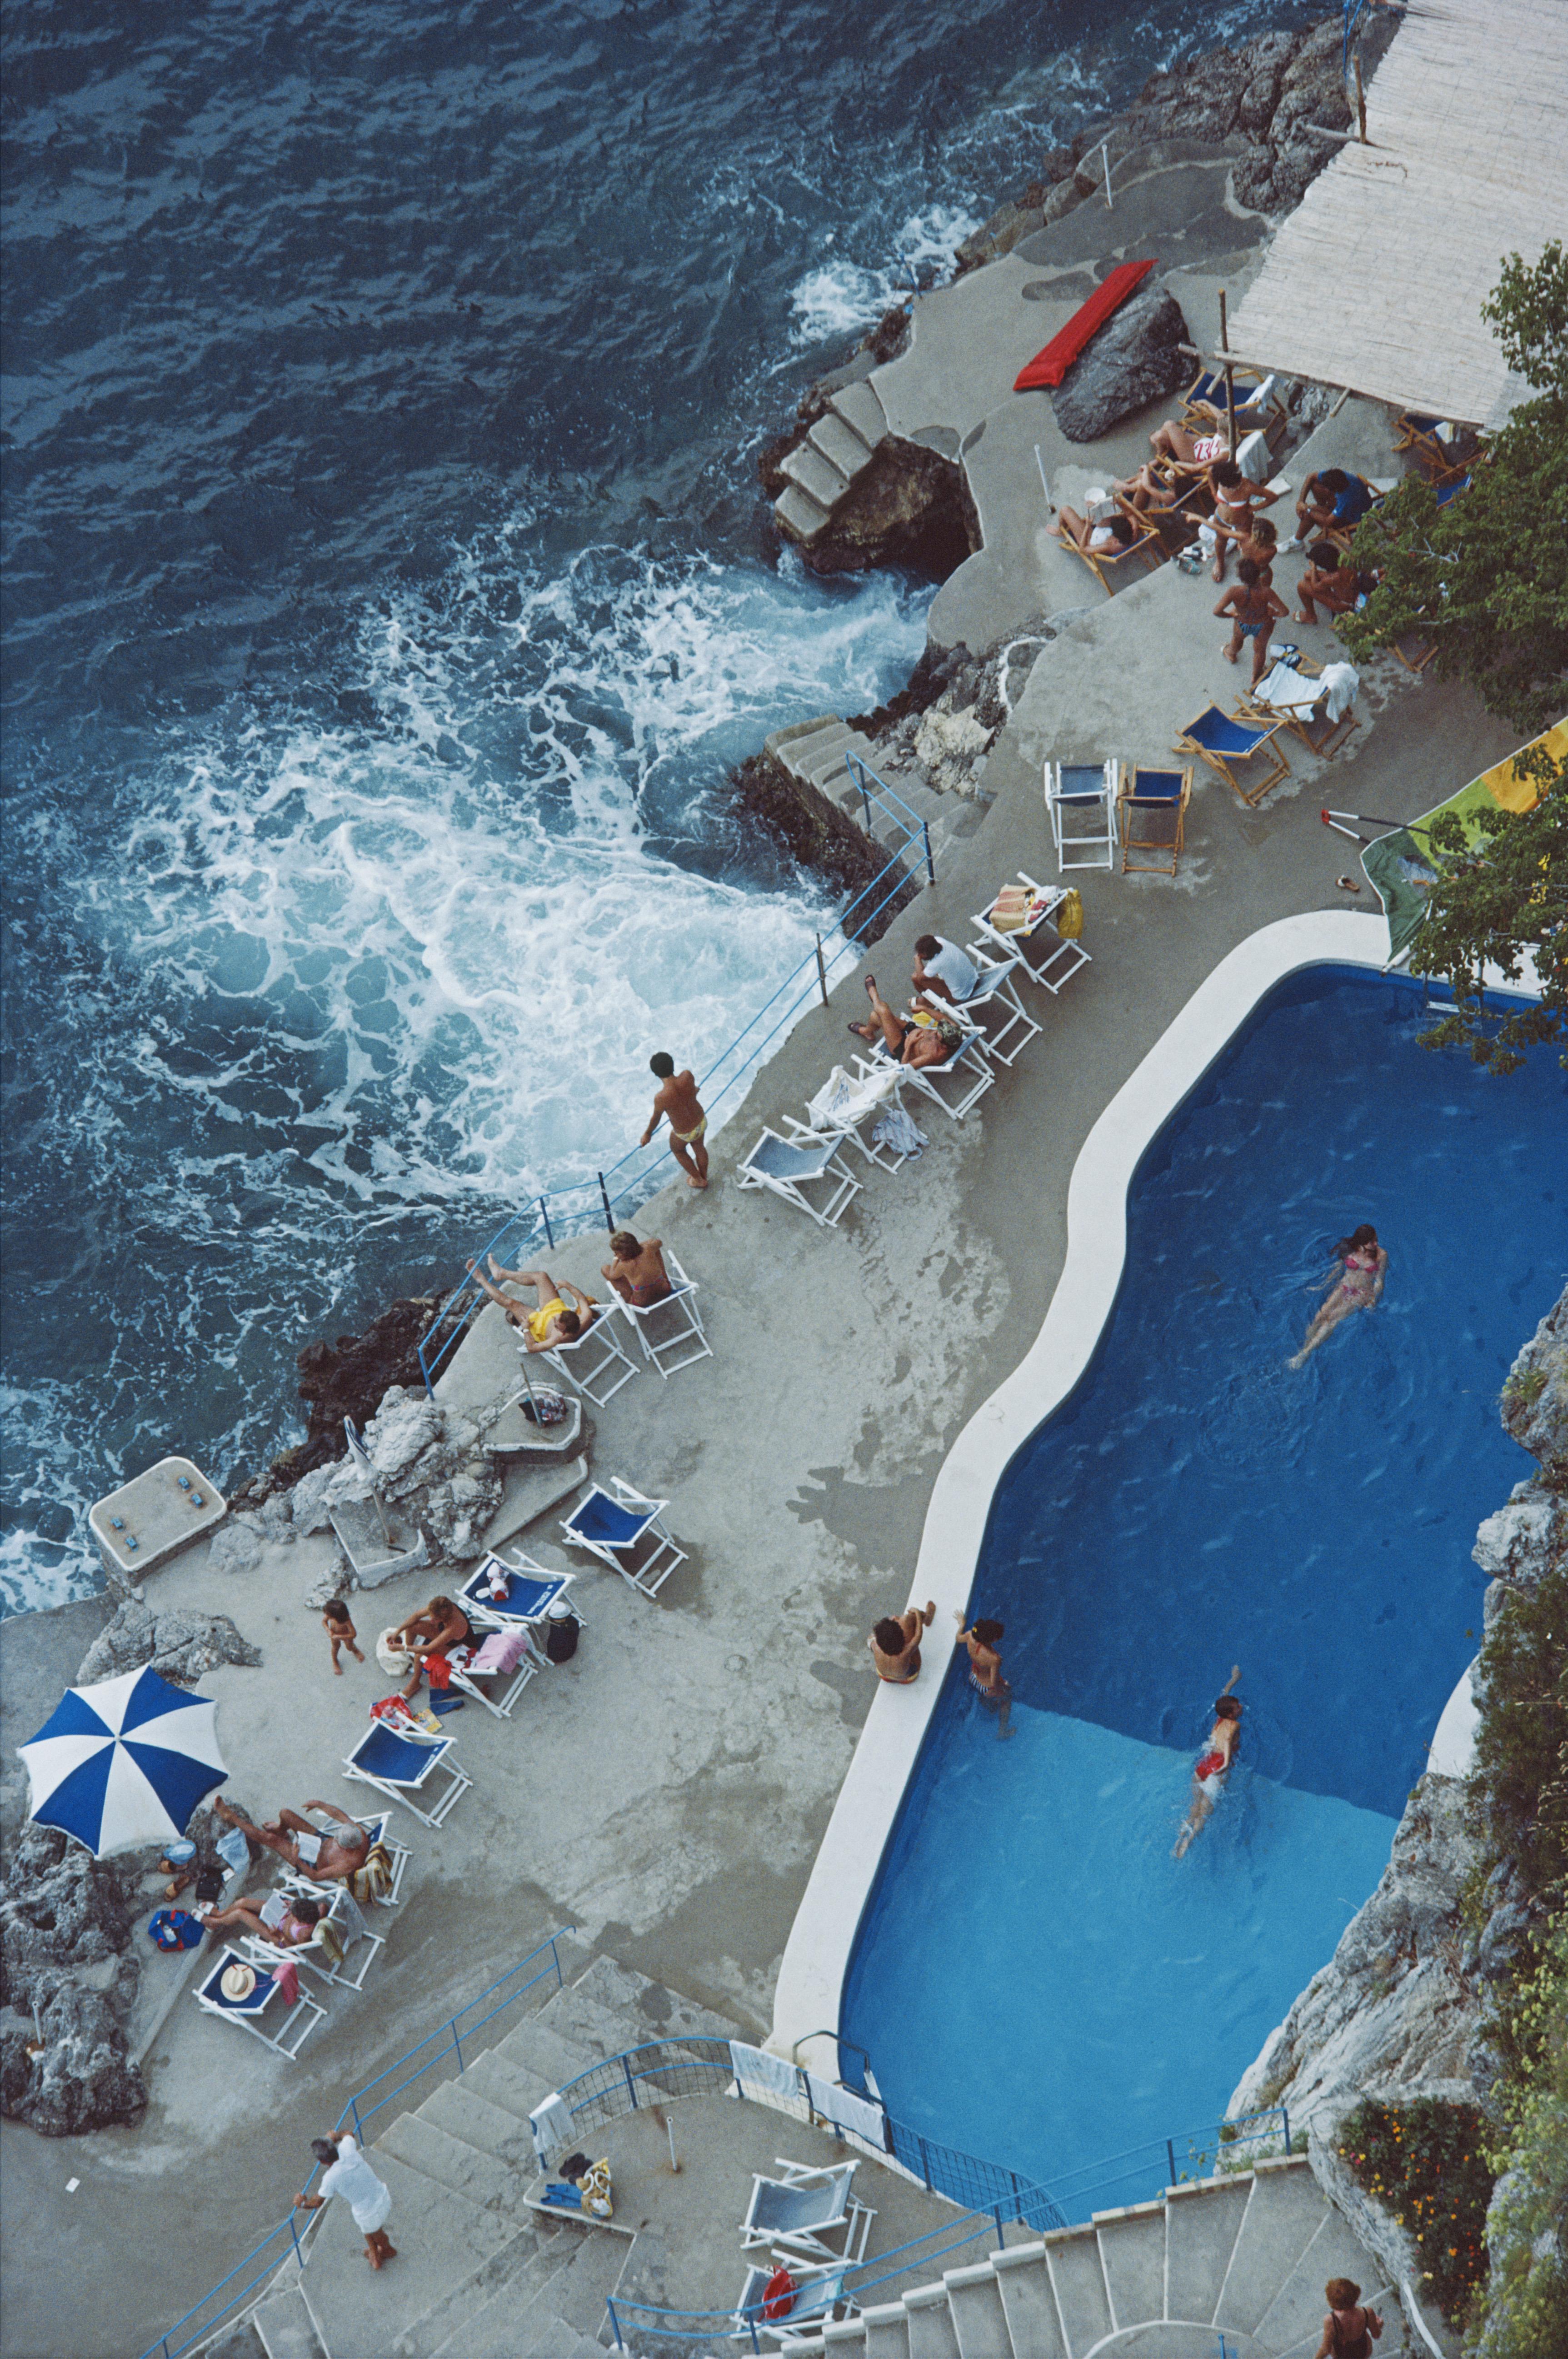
point(238, 1982)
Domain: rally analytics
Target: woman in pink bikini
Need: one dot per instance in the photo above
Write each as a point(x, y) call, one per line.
point(1355, 1285)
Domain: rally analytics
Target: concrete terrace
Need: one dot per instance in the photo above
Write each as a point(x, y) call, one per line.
point(667, 1790)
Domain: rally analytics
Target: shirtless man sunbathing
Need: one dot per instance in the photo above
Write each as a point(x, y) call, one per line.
point(325, 1858)
point(912, 1044)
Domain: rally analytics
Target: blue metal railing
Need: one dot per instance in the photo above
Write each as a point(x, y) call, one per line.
point(565, 1211)
point(276, 2242)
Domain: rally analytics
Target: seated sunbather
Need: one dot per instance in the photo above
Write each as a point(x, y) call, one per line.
point(928, 1039)
point(1330, 582)
point(325, 1858)
point(638, 1272)
point(1150, 492)
point(1102, 539)
point(436, 1629)
point(293, 1922)
point(555, 1322)
point(1331, 501)
point(1190, 452)
point(942, 971)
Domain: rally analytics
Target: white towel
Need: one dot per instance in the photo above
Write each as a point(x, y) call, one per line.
point(1252, 457)
point(845, 2111)
point(551, 2124)
point(756, 2068)
point(1342, 684)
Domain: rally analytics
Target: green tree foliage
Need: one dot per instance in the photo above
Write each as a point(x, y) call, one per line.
point(1425, 2163)
point(1485, 579)
point(1498, 897)
point(1526, 2292)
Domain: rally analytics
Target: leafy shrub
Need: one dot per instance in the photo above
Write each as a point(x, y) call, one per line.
point(1425, 2163)
point(1527, 2299)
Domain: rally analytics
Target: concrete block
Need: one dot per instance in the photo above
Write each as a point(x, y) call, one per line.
point(285, 2328)
point(158, 1516)
point(1284, 2214)
point(799, 516)
point(538, 2049)
point(532, 1487)
point(1297, 2308)
point(816, 476)
point(979, 2321)
point(512, 2087)
point(450, 2161)
point(931, 2331)
point(651, 2011)
point(857, 406)
point(839, 445)
point(1132, 2256)
point(1073, 2256)
point(887, 2330)
point(1201, 2225)
point(442, 2241)
point(575, 2015)
point(1028, 2302)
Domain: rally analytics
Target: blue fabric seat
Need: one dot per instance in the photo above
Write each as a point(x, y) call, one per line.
point(299, 2021)
point(1221, 741)
point(618, 1530)
point(398, 1766)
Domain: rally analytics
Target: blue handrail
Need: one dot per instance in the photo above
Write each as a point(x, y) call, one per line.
point(564, 1211)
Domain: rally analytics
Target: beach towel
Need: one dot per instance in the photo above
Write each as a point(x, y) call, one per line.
point(286, 1976)
point(502, 1652)
point(1051, 364)
point(1342, 682)
point(895, 1130)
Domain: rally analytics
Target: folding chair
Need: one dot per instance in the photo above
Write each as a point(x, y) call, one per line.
point(994, 1007)
point(317, 1956)
point(1342, 535)
point(378, 1826)
point(803, 2207)
point(1081, 791)
point(673, 1324)
point(1221, 741)
point(399, 1767)
point(498, 1670)
point(1144, 543)
point(1154, 819)
point(296, 2026)
point(530, 1591)
point(616, 1529)
point(844, 1101)
point(967, 1069)
point(1418, 435)
point(816, 2300)
point(1036, 943)
point(1285, 694)
point(599, 1355)
point(787, 1168)
point(1257, 407)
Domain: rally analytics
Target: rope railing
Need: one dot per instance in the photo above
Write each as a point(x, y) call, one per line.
point(566, 1212)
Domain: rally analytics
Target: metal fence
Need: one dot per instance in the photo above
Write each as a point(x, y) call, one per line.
point(545, 1221)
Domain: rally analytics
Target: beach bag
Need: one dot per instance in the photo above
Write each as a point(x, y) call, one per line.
point(1069, 917)
point(594, 2189)
point(396, 1662)
point(560, 1638)
point(175, 1928)
point(394, 1709)
point(778, 2294)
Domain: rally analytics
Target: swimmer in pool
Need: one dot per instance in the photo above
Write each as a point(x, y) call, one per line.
point(1357, 1285)
point(1213, 1765)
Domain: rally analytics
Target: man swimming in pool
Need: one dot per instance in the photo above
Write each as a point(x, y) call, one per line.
point(677, 1097)
point(1213, 1765)
point(1355, 1285)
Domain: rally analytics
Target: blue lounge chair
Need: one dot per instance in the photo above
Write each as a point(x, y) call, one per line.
point(292, 2031)
point(817, 2297)
point(1154, 819)
point(803, 2206)
point(530, 1591)
point(788, 1168)
point(399, 1767)
point(618, 1530)
point(1222, 742)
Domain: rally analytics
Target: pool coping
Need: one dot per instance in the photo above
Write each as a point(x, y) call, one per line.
point(817, 1956)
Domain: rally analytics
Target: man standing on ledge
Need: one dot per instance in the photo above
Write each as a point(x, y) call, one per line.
point(677, 1098)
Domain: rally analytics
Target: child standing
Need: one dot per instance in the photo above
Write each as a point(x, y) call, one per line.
point(1254, 607)
point(341, 1630)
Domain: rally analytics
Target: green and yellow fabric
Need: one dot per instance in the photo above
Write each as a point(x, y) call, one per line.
point(1402, 866)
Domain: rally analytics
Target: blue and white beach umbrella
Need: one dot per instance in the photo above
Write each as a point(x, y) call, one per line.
point(124, 1763)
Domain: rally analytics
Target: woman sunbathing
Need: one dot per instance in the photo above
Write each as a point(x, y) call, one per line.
point(555, 1322)
point(1190, 452)
point(294, 1921)
point(928, 1039)
point(1103, 538)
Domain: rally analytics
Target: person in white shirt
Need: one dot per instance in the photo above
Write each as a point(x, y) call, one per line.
point(941, 967)
point(349, 2174)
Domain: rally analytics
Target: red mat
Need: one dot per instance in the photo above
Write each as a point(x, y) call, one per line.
point(1050, 367)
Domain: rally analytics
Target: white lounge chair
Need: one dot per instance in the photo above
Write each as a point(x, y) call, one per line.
point(994, 1007)
point(672, 1326)
point(1048, 957)
point(354, 1935)
point(617, 1531)
point(498, 1670)
point(846, 1102)
point(805, 2204)
point(400, 1767)
point(378, 1826)
point(291, 2032)
point(788, 1167)
point(968, 1070)
point(818, 2292)
point(1080, 803)
point(590, 1362)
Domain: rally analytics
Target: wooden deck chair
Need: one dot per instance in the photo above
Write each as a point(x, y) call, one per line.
point(1103, 562)
point(1418, 435)
point(1153, 807)
point(1176, 526)
point(1259, 409)
point(1281, 695)
point(1223, 741)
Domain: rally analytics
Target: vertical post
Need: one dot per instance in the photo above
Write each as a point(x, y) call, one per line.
point(458, 2044)
point(545, 1216)
point(295, 2233)
point(1105, 159)
point(926, 2167)
point(1360, 101)
point(1000, 2239)
point(1171, 2158)
point(821, 970)
point(561, 1978)
point(930, 864)
point(631, 2083)
point(354, 2109)
point(1285, 2117)
point(755, 2345)
point(615, 2325)
point(604, 1199)
point(865, 798)
point(1229, 377)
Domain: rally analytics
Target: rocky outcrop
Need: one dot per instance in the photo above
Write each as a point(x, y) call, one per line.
point(1535, 1397)
point(908, 506)
point(1135, 358)
point(801, 820)
point(347, 1377)
point(179, 1647)
point(64, 1923)
point(938, 731)
point(429, 1464)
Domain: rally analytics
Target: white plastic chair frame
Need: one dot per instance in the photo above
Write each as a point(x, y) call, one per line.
point(969, 1067)
point(791, 1184)
point(378, 1826)
point(688, 1336)
point(267, 1955)
point(1061, 799)
point(994, 1006)
point(304, 2012)
point(603, 1352)
point(822, 1123)
point(529, 1664)
point(1069, 953)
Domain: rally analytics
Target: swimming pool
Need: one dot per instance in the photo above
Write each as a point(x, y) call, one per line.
point(1034, 1977)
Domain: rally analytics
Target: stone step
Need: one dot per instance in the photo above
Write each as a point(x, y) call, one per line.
point(575, 2014)
point(450, 2161)
point(443, 2243)
point(815, 475)
point(1298, 2306)
point(553, 2339)
point(1029, 2300)
point(445, 2318)
point(285, 2328)
point(778, 741)
point(457, 2108)
point(839, 445)
point(859, 408)
point(887, 2330)
point(979, 2321)
point(1384, 2298)
point(803, 746)
point(538, 2049)
point(931, 2330)
point(799, 516)
point(1201, 2225)
point(1078, 2281)
point(591, 2275)
point(1284, 2214)
point(1132, 2256)
point(666, 2012)
point(496, 2324)
point(507, 2085)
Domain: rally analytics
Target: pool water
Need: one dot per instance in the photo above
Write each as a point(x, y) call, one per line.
point(1035, 1978)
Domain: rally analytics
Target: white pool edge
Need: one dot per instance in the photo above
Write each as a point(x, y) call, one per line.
point(816, 1955)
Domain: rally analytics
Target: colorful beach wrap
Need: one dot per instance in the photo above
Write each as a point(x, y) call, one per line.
point(1402, 867)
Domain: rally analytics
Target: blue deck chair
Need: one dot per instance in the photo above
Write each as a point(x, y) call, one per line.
point(670, 1330)
point(358, 1944)
point(1222, 742)
point(293, 2028)
point(617, 1531)
point(786, 1167)
point(530, 1591)
point(804, 2205)
point(818, 2296)
point(399, 1767)
point(1154, 819)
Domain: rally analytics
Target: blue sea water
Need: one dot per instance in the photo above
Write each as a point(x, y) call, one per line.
point(1037, 1980)
point(387, 591)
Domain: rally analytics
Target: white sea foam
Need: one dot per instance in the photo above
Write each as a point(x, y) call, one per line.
point(842, 295)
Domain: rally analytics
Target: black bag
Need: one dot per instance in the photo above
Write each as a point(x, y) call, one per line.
point(210, 1883)
point(575, 2167)
point(560, 1638)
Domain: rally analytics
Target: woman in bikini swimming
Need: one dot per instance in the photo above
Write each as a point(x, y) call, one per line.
point(1213, 1765)
point(1357, 1285)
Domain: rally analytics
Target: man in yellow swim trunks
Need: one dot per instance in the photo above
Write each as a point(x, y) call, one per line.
point(556, 1321)
point(677, 1098)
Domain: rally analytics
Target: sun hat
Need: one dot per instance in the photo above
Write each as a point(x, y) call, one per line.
point(238, 1982)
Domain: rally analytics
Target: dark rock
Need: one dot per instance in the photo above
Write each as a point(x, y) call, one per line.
point(812, 829)
point(909, 506)
point(83, 2078)
point(347, 1378)
point(1133, 359)
point(179, 1647)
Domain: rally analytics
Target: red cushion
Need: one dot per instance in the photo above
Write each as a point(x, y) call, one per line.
point(1050, 366)
point(778, 2294)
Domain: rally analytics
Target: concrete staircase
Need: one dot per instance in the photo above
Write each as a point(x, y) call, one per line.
point(818, 752)
point(1246, 2256)
point(476, 2276)
point(837, 450)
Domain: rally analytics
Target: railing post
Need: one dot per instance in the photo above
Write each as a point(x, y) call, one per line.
point(1285, 2117)
point(295, 2233)
point(545, 1216)
point(930, 864)
point(865, 798)
point(354, 2109)
point(1000, 2239)
point(458, 2044)
point(561, 1978)
point(1171, 2158)
point(753, 2324)
point(614, 2323)
point(821, 970)
point(604, 1199)
point(631, 2083)
point(926, 2167)
point(429, 1388)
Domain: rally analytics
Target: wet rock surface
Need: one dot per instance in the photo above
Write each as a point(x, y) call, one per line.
point(910, 506)
point(428, 1465)
point(1135, 358)
point(812, 829)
